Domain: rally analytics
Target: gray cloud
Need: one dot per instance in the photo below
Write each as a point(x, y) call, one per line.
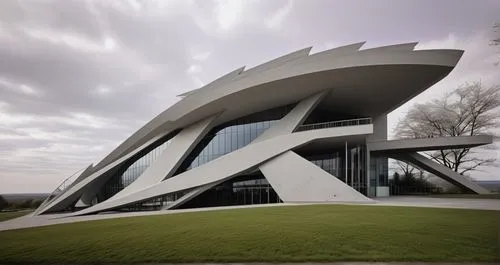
point(78, 77)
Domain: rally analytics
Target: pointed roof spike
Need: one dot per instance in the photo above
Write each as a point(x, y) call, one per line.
point(342, 50)
point(280, 61)
point(227, 77)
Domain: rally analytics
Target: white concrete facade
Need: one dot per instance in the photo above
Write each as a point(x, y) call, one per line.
point(300, 128)
point(298, 180)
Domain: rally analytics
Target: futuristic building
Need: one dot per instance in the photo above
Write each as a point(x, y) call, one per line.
point(300, 128)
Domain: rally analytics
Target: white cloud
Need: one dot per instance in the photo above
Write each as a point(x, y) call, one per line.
point(72, 40)
point(78, 119)
point(275, 21)
point(11, 136)
point(101, 90)
point(477, 64)
point(144, 50)
point(194, 69)
point(201, 56)
point(198, 81)
point(136, 5)
point(5, 33)
point(228, 13)
point(35, 133)
point(18, 87)
point(18, 119)
point(87, 120)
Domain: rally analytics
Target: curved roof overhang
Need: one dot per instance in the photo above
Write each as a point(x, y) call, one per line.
point(362, 82)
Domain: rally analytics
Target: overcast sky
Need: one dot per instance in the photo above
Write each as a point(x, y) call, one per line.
point(78, 77)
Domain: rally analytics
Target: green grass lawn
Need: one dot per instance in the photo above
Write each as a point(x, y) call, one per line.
point(4, 216)
point(278, 234)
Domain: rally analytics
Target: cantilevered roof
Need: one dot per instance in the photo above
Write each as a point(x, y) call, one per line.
point(366, 82)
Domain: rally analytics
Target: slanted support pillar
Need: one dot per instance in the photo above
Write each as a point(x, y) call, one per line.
point(345, 163)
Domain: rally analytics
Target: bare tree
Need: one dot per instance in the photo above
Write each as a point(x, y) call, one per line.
point(3, 202)
point(471, 109)
point(495, 40)
point(408, 170)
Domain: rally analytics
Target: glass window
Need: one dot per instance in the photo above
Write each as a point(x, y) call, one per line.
point(131, 173)
point(231, 136)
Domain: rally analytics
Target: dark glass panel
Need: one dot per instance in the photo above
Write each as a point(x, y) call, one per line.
point(231, 136)
point(242, 190)
point(334, 163)
point(133, 169)
point(155, 203)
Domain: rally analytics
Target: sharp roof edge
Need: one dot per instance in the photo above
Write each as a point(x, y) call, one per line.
point(338, 52)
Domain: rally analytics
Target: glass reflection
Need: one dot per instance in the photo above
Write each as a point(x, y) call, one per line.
point(242, 190)
point(334, 163)
point(231, 136)
point(121, 180)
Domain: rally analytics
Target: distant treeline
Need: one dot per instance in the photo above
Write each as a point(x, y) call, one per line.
point(20, 203)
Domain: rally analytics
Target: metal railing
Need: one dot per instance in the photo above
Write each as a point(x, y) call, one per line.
point(61, 188)
point(332, 124)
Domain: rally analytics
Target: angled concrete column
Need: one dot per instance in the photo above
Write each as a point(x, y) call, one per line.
point(294, 118)
point(170, 159)
point(232, 164)
point(440, 171)
point(82, 175)
point(88, 184)
point(286, 125)
point(297, 180)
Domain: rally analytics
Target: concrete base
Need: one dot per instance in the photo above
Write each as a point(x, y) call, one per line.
point(382, 191)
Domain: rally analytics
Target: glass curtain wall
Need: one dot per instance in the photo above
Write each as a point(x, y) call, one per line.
point(334, 162)
point(227, 140)
point(219, 141)
point(130, 172)
point(379, 173)
point(242, 190)
point(155, 203)
point(231, 136)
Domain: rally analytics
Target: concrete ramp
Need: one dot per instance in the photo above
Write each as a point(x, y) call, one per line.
point(295, 179)
point(440, 171)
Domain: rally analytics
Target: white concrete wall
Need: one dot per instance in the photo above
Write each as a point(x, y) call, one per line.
point(379, 129)
point(231, 164)
point(297, 180)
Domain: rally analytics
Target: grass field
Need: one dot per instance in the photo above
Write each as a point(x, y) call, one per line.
point(277, 234)
point(4, 216)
